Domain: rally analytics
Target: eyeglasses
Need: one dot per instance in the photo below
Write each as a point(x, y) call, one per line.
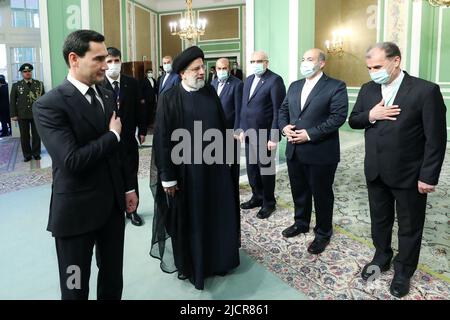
point(257, 61)
point(26, 71)
point(197, 69)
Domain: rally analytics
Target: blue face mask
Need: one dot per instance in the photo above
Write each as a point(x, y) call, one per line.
point(380, 76)
point(258, 68)
point(222, 75)
point(308, 68)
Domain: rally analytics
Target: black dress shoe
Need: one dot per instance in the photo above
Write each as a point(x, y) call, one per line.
point(37, 157)
point(294, 230)
point(26, 159)
point(265, 212)
point(135, 219)
point(251, 204)
point(318, 246)
point(365, 274)
point(399, 286)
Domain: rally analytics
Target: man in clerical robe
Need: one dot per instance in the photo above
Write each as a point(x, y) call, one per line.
point(196, 221)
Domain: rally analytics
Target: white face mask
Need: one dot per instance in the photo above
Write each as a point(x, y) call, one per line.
point(113, 70)
point(150, 75)
point(222, 75)
point(308, 68)
point(167, 67)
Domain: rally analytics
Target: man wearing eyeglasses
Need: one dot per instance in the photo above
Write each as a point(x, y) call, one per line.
point(264, 91)
point(23, 94)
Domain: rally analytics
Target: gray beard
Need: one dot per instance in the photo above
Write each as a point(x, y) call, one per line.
point(195, 84)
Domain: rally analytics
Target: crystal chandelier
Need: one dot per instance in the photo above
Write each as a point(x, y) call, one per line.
point(438, 3)
point(188, 28)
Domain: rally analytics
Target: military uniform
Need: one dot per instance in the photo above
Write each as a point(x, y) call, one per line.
point(23, 95)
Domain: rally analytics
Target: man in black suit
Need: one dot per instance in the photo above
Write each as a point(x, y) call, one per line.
point(405, 132)
point(237, 72)
point(262, 96)
point(310, 117)
point(91, 187)
point(149, 89)
point(212, 75)
point(131, 112)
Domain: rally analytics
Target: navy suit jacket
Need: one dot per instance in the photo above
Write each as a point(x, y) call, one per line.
point(173, 80)
point(324, 112)
point(231, 98)
point(260, 111)
point(411, 148)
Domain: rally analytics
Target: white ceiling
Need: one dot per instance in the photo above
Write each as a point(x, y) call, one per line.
point(168, 5)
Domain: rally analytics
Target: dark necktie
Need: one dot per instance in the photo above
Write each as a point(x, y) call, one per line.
point(117, 92)
point(97, 106)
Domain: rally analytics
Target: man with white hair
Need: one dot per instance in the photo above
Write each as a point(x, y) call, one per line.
point(263, 94)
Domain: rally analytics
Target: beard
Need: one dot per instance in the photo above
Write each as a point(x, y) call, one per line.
point(194, 83)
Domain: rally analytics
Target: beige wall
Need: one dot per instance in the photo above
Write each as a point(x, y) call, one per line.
point(170, 45)
point(354, 16)
point(111, 24)
point(142, 34)
point(223, 24)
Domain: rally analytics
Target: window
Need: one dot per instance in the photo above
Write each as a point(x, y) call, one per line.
point(25, 13)
point(3, 65)
point(21, 55)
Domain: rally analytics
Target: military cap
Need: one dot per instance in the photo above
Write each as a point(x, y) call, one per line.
point(26, 67)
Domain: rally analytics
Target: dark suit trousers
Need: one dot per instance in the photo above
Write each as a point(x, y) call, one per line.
point(313, 181)
point(77, 251)
point(29, 148)
point(410, 206)
point(132, 151)
point(262, 183)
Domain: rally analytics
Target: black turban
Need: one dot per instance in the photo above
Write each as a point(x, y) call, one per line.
point(184, 59)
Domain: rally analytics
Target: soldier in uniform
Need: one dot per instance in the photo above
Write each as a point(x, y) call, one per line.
point(23, 94)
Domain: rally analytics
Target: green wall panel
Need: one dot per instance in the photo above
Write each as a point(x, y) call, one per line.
point(95, 15)
point(218, 47)
point(64, 17)
point(272, 32)
point(444, 67)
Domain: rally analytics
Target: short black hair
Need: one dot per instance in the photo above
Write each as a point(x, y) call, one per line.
point(114, 52)
point(79, 42)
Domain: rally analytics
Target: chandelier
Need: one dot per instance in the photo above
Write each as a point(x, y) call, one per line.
point(188, 28)
point(438, 3)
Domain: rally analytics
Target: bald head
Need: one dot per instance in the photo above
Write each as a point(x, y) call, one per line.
point(316, 54)
point(223, 63)
point(259, 55)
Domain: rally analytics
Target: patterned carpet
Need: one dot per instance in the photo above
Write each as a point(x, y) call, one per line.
point(8, 153)
point(335, 274)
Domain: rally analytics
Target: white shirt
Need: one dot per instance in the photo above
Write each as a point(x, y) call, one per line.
point(111, 80)
point(220, 87)
point(308, 87)
point(254, 85)
point(83, 88)
point(152, 83)
point(389, 91)
point(165, 79)
point(306, 91)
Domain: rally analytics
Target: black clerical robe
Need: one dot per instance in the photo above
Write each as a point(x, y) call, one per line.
point(203, 219)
